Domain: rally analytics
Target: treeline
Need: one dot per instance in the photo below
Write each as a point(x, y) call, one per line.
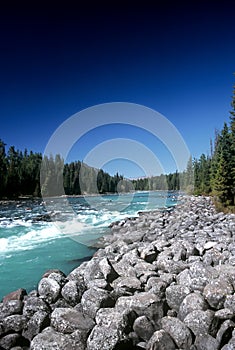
point(19, 172)
point(77, 178)
point(30, 174)
point(212, 174)
point(215, 174)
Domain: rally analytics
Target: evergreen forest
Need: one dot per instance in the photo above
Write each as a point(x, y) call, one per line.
point(30, 174)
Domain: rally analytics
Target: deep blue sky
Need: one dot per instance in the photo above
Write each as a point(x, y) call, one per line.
point(175, 57)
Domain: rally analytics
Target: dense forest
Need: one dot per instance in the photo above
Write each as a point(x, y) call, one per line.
point(28, 173)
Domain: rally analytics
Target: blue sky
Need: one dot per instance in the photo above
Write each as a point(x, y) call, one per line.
point(174, 57)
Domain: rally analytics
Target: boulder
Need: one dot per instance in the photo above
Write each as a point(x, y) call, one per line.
point(161, 340)
point(216, 292)
point(143, 327)
point(95, 298)
point(206, 342)
point(129, 285)
point(34, 304)
point(9, 341)
point(108, 270)
point(69, 320)
point(14, 323)
point(201, 275)
point(178, 331)
point(111, 329)
point(143, 303)
point(49, 339)
point(199, 321)
point(49, 289)
point(15, 295)
point(193, 301)
point(72, 293)
point(175, 294)
point(10, 307)
point(36, 324)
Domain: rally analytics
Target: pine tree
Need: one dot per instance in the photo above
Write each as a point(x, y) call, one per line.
point(232, 128)
point(3, 168)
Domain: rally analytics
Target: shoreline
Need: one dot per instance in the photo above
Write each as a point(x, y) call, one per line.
point(163, 278)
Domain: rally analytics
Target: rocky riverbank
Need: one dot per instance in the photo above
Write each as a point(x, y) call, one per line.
point(162, 281)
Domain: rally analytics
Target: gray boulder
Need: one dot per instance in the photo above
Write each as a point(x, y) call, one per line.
point(36, 324)
point(123, 285)
point(161, 340)
point(143, 327)
point(226, 330)
point(230, 302)
point(206, 342)
point(224, 314)
point(49, 339)
point(193, 301)
point(201, 275)
point(178, 331)
point(92, 270)
point(49, 289)
point(34, 304)
point(143, 303)
point(9, 341)
point(14, 323)
point(95, 298)
point(111, 329)
point(10, 307)
point(72, 293)
point(216, 291)
point(175, 294)
point(199, 321)
point(69, 320)
point(108, 271)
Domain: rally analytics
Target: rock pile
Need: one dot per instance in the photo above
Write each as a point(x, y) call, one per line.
point(162, 281)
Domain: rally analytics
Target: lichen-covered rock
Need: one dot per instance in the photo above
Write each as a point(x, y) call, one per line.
point(36, 324)
point(108, 270)
point(72, 293)
point(34, 304)
point(216, 291)
point(56, 275)
point(206, 342)
point(199, 321)
point(126, 285)
point(111, 329)
point(143, 327)
point(161, 340)
point(92, 270)
point(10, 307)
point(8, 341)
point(148, 253)
point(49, 289)
point(157, 286)
point(143, 303)
point(69, 320)
point(175, 294)
point(178, 331)
point(225, 331)
point(49, 339)
point(225, 314)
point(95, 298)
point(192, 302)
point(14, 323)
point(230, 302)
point(201, 275)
